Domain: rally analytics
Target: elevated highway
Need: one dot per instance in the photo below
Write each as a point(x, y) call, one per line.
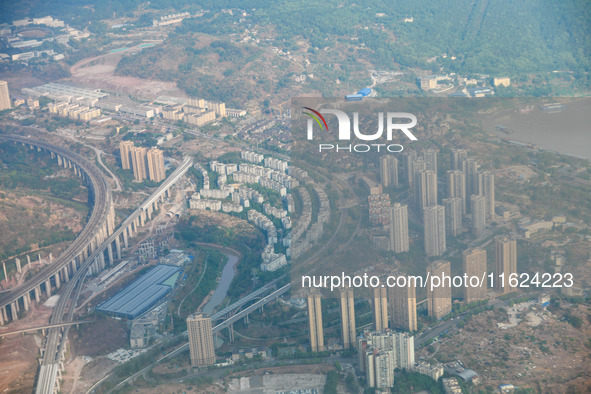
point(98, 227)
point(53, 352)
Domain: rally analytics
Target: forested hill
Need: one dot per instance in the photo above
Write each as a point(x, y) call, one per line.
point(487, 36)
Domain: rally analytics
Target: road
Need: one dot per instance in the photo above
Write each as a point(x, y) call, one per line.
point(98, 191)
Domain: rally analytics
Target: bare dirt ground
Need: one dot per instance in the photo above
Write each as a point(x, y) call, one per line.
point(551, 357)
point(18, 353)
point(99, 71)
point(91, 373)
point(18, 364)
point(71, 377)
point(92, 339)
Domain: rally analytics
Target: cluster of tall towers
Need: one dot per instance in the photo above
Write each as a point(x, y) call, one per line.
point(145, 163)
point(470, 194)
point(392, 307)
point(396, 307)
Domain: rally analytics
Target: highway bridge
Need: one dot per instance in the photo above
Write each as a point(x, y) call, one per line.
point(54, 349)
point(226, 323)
point(44, 327)
point(98, 227)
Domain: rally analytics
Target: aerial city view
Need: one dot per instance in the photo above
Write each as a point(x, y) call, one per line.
point(278, 197)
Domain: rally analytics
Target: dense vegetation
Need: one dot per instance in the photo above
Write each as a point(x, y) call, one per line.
point(28, 173)
point(492, 37)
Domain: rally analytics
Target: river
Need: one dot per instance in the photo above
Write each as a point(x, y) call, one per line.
point(221, 291)
point(566, 131)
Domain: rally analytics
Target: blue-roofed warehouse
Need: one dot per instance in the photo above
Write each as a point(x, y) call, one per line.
point(143, 293)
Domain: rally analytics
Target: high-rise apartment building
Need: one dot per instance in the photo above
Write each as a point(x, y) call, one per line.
point(4, 96)
point(125, 148)
point(156, 165)
point(434, 230)
point(474, 264)
point(315, 322)
point(439, 298)
point(403, 307)
point(453, 215)
point(489, 194)
point(408, 158)
point(389, 171)
point(380, 308)
point(470, 169)
point(399, 241)
point(478, 209)
point(381, 352)
point(347, 304)
point(430, 157)
point(426, 189)
point(200, 340)
point(456, 187)
point(138, 163)
point(505, 262)
point(405, 350)
point(456, 158)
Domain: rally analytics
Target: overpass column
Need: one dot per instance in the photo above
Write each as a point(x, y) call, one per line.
point(110, 252)
point(102, 261)
point(150, 211)
point(18, 265)
point(26, 301)
point(57, 280)
point(5, 274)
point(4, 313)
point(59, 160)
point(48, 287)
point(13, 311)
point(2, 317)
point(66, 275)
point(124, 232)
point(142, 218)
point(37, 293)
point(118, 247)
point(73, 265)
point(231, 332)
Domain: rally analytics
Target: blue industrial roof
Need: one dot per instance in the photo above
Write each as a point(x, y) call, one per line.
point(364, 91)
point(142, 294)
point(353, 97)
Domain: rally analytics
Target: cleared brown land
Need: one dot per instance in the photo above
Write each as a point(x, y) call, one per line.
point(551, 357)
point(98, 72)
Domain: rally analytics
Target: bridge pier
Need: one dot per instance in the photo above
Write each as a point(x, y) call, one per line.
point(118, 247)
point(2, 317)
point(13, 311)
point(57, 280)
point(74, 266)
point(110, 253)
point(5, 273)
point(66, 275)
point(231, 333)
point(4, 313)
point(18, 265)
point(37, 294)
point(102, 261)
point(26, 301)
point(142, 218)
point(246, 319)
point(124, 232)
point(48, 287)
point(59, 160)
